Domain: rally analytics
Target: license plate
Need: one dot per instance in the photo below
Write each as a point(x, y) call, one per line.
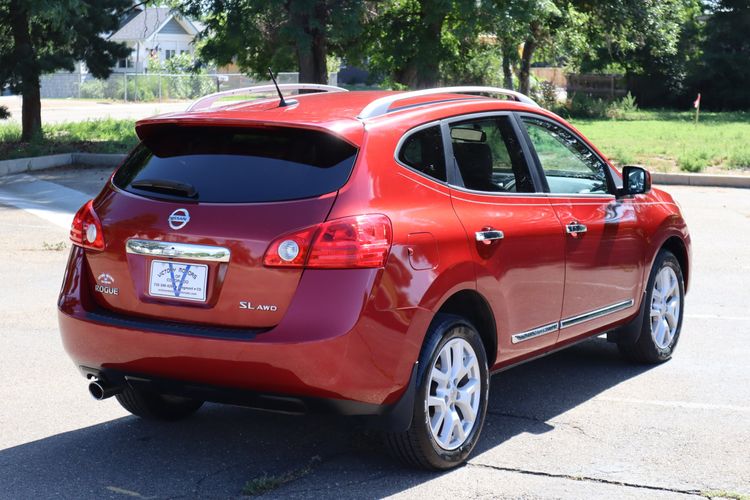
point(178, 280)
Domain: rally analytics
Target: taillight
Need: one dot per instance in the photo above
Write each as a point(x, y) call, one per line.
point(86, 230)
point(351, 242)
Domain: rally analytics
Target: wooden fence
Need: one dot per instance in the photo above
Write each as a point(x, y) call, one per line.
point(605, 86)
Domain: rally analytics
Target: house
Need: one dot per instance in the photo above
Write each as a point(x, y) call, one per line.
point(154, 33)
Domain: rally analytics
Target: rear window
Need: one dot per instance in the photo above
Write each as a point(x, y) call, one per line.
point(243, 165)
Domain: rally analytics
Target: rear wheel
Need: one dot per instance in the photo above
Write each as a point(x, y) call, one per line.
point(451, 400)
point(155, 406)
point(662, 318)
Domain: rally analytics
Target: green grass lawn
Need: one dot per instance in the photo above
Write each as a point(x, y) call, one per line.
point(667, 141)
point(91, 136)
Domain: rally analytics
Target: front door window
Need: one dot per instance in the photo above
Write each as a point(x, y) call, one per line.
point(568, 164)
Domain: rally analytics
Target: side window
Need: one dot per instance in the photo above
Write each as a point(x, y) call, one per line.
point(569, 165)
point(489, 156)
point(423, 151)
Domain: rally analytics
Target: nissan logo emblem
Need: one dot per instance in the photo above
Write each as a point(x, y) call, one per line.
point(179, 218)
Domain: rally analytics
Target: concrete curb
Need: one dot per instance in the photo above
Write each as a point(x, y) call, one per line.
point(733, 181)
point(21, 165)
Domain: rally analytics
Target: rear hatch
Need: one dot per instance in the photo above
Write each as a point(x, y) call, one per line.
point(192, 211)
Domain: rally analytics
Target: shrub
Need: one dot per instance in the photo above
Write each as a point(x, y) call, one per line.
point(94, 89)
point(545, 93)
point(693, 163)
point(584, 106)
point(740, 159)
point(622, 157)
point(617, 110)
point(4, 113)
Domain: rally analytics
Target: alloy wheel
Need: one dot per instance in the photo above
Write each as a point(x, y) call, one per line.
point(454, 394)
point(665, 307)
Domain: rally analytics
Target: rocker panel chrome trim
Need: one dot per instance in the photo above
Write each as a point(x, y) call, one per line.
point(536, 332)
point(597, 313)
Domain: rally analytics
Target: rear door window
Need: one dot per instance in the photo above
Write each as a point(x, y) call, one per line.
point(489, 156)
point(237, 165)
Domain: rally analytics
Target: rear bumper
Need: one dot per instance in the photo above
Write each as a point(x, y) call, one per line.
point(333, 345)
point(394, 417)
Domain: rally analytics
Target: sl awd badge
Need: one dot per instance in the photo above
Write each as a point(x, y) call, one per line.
point(178, 219)
point(259, 307)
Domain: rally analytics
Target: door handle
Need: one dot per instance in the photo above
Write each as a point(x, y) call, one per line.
point(575, 228)
point(488, 235)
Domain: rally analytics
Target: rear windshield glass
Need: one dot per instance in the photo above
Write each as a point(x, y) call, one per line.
point(220, 165)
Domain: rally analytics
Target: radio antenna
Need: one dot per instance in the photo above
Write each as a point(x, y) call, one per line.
point(282, 102)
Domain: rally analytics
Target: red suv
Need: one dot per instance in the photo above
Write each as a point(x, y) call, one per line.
point(374, 254)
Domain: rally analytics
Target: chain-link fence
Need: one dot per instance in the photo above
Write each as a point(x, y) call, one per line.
point(149, 87)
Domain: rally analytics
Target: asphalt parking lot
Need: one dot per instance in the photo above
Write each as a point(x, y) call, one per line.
point(577, 424)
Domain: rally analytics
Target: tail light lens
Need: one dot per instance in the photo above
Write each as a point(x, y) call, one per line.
point(352, 242)
point(86, 230)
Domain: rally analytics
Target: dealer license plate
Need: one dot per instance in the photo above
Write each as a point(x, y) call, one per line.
point(178, 280)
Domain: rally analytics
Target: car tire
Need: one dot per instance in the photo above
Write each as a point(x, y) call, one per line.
point(155, 406)
point(428, 443)
point(662, 315)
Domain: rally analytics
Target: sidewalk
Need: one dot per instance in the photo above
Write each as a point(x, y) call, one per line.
point(73, 110)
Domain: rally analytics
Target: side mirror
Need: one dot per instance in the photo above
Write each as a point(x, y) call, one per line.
point(635, 180)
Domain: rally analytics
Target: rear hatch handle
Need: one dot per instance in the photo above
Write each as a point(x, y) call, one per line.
point(177, 250)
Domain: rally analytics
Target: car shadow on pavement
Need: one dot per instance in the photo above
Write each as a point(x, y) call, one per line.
point(224, 450)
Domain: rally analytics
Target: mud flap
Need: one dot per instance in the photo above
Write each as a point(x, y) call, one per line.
point(631, 331)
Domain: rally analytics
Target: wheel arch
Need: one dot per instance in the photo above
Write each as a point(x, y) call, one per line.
point(679, 249)
point(472, 306)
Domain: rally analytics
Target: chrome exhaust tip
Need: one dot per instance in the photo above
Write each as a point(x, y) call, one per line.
point(99, 389)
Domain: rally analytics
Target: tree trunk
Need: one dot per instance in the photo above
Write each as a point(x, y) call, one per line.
point(524, 76)
point(311, 58)
point(407, 74)
point(31, 109)
point(428, 74)
point(312, 50)
point(507, 71)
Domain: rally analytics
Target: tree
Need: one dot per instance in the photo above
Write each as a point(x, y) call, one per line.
point(258, 34)
point(723, 76)
point(528, 27)
point(413, 42)
point(41, 36)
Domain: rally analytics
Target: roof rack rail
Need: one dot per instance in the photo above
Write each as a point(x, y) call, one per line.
point(380, 106)
point(206, 101)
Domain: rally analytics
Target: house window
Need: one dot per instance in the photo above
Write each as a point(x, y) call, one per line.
point(169, 53)
point(125, 63)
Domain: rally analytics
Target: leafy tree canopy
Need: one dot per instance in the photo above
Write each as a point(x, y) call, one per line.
point(257, 34)
point(42, 36)
point(723, 75)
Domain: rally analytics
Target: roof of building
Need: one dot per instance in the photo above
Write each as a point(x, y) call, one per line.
point(141, 24)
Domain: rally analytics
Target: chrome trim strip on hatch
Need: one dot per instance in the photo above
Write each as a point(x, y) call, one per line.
point(536, 332)
point(597, 313)
point(177, 250)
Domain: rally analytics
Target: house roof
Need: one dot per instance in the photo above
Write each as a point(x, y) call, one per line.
point(142, 24)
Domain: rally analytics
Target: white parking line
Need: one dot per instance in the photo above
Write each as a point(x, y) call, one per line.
point(52, 202)
point(674, 404)
point(717, 316)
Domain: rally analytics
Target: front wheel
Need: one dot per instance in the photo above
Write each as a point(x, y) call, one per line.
point(451, 400)
point(662, 318)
